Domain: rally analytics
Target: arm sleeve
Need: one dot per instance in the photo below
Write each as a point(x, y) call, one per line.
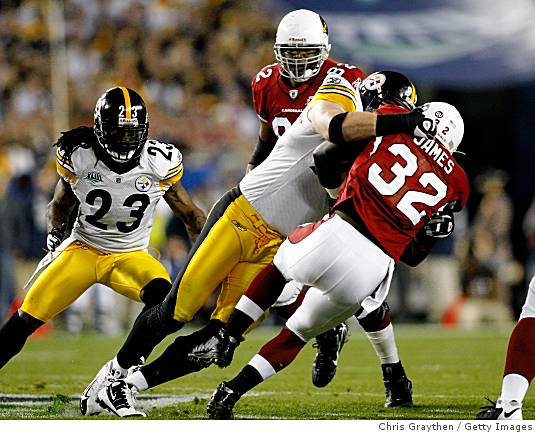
point(261, 152)
point(418, 249)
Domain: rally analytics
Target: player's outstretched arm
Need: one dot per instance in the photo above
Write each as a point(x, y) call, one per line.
point(354, 126)
point(334, 124)
point(58, 212)
point(183, 206)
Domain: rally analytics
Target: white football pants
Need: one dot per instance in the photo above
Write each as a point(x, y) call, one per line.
point(342, 266)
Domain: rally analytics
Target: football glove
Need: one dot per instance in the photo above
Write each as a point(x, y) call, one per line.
point(440, 225)
point(54, 238)
point(425, 127)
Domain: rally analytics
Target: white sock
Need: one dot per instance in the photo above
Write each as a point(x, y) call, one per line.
point(384, 344)
point(118, 367)
point(514, 387)
point(137, 379)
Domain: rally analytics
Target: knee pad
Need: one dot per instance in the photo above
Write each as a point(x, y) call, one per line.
point(376, 320)
point(155, 291)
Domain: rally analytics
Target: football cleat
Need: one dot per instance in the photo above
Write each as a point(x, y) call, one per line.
point(118, 397)
point(398, 389)
point(219, 349)
point(221, 403)
point(329, 345)
point(501, 410)
point(88, 400)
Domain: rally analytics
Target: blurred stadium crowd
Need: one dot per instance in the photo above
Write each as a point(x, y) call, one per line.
point(193, 63)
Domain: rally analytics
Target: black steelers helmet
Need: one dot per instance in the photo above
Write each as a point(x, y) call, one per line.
point(387, 86)
point(121, 123)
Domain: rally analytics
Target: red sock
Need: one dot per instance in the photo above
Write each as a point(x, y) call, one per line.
point(266, 287)
point(282, 349)
point(521, 350)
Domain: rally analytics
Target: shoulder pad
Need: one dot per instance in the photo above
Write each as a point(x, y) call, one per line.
point(350, 72)
point(336, 88)
point(266, 73)
point(165, 160)
point(260, 86)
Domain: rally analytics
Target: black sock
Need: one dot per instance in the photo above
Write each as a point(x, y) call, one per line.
point(148, 330)
point(174, 362)
point(13, 336)
point(248, 378)
point(238, 323)
point(393, 371)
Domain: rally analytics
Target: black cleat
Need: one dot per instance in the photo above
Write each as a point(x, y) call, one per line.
point(221, 403)
point(329, 345)
point(398, 388)
point(227, 345)
point(500, 410)
point(219, 349)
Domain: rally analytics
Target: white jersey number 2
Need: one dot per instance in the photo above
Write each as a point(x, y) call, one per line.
point(405, 204)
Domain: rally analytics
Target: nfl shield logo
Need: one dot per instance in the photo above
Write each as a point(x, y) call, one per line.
point(293, 93)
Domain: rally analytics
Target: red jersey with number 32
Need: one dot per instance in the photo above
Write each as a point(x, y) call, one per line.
point(397, 182)
point(278, 104)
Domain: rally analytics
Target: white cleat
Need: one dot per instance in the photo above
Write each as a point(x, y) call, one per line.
point(118, 397)
point(88, 400)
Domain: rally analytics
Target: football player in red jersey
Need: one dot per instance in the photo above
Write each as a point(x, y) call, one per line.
point(519, 367)
point(240, 238)
point(280, 93)
point(388, 206)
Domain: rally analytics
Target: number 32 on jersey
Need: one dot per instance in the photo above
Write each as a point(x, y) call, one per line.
point(402, 173)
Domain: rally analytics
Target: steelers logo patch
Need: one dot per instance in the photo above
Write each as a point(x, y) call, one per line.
point(143, 183)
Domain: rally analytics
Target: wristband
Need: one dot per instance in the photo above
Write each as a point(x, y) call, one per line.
point(391, 123)
point(335, 128)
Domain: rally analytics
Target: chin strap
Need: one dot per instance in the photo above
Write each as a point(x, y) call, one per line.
point(116, 167)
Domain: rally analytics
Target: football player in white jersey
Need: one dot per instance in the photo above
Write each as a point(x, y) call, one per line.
point(113, 177)
point(242, 234)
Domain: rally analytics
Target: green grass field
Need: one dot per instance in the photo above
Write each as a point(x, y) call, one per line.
point(451, 370)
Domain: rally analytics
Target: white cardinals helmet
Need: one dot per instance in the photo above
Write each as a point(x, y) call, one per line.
point(448, 122)
point(301, 31)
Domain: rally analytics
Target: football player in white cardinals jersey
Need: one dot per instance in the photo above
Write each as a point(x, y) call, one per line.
point(519, 367)
point(281, 92)
point(242, 234)
point(113, 177)
point(385, 208)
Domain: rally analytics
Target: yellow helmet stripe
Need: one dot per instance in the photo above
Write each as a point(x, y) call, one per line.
point(127, 103)
point(413, 95)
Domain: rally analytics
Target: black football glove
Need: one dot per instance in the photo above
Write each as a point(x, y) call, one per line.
point(440, 225)
point(413, 123)
point(423, 127)
point(54, 238)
